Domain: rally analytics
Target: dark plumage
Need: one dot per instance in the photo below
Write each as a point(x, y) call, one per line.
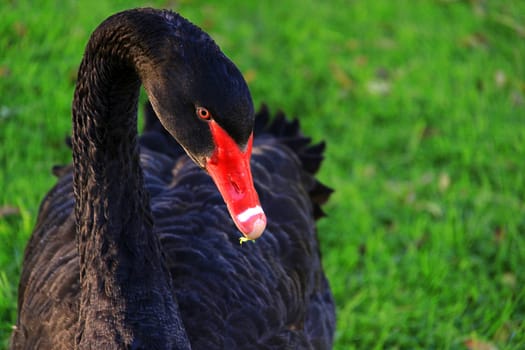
point(134, 247)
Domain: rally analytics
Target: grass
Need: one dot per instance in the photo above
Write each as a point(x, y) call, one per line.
point(422, 104)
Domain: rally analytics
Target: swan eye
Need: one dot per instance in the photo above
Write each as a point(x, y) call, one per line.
point(203, 113)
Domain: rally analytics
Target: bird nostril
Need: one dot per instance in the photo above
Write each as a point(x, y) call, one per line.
point(237, 187)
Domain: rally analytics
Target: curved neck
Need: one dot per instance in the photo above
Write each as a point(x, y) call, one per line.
point(126, 295)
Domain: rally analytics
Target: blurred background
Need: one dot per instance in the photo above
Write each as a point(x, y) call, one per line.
point(422, 106)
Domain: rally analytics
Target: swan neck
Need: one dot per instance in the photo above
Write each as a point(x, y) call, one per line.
point(124, 280)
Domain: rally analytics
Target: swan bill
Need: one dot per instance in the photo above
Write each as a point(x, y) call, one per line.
point(229, 167)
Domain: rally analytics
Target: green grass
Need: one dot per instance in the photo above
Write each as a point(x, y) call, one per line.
point(422, 104)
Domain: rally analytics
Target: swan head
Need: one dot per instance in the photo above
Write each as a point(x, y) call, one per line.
point(203, 101)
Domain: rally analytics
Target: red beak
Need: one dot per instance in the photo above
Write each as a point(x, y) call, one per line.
point(229, 168)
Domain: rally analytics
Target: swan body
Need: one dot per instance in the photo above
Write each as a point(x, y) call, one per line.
point(134, 247)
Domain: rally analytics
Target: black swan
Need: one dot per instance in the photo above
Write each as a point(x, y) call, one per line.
point(134, 247)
